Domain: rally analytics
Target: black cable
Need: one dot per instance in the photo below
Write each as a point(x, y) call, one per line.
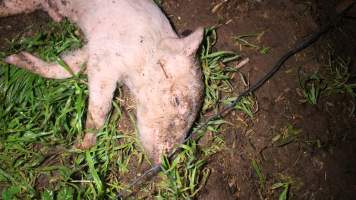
point(227, 109)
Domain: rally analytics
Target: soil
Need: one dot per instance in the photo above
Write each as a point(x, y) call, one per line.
point(319, 163)
point(317, 172)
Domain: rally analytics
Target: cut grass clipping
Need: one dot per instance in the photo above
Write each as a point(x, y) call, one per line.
point(41, 119)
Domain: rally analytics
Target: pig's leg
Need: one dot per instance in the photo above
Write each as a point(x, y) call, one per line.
point(101, 89)
point(13, 7)
point(27, 61)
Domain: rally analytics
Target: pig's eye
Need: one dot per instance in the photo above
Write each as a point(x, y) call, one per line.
point(176, 101)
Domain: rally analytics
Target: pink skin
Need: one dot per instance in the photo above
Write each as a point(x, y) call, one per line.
point(131, 42)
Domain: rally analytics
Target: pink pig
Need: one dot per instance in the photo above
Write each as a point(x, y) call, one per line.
point(132, 42)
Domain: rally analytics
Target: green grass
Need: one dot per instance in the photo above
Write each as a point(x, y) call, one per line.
point(41, 120)
point(245, 41)
point(217, 74)
point(258, 171)
point(247, 105)
point(332, 81)
point(338, 76)
point(185, 175)
point(50, 43)
point(288, 134)
point(312, 87)
point(284, 187)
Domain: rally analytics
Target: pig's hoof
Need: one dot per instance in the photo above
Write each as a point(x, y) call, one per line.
point(89, 140)
point(13, 59)
point(20, 60)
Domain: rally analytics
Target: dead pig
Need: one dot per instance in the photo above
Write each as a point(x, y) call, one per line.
point(131, 42)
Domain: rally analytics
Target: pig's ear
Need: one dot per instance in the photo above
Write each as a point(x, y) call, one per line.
point(186, 46)
point(192, 42)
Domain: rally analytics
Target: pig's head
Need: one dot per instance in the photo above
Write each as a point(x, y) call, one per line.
point(168, 105)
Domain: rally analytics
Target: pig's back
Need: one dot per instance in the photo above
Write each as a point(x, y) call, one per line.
point(125, 20)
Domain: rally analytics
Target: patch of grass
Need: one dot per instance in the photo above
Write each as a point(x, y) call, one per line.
point(40, 118)
point(245, 41)
point(49, 44)
point(312, 87)
point(217, 144)
point(217, 74)
point(287, 135)
point(334, 80)
point(247, 105)
point(284, 187)
point(261, 177)
point(185, 175)
point(338, 76)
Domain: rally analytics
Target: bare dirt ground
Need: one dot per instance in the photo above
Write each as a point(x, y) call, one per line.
point(319, 162)
point(325, 171)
